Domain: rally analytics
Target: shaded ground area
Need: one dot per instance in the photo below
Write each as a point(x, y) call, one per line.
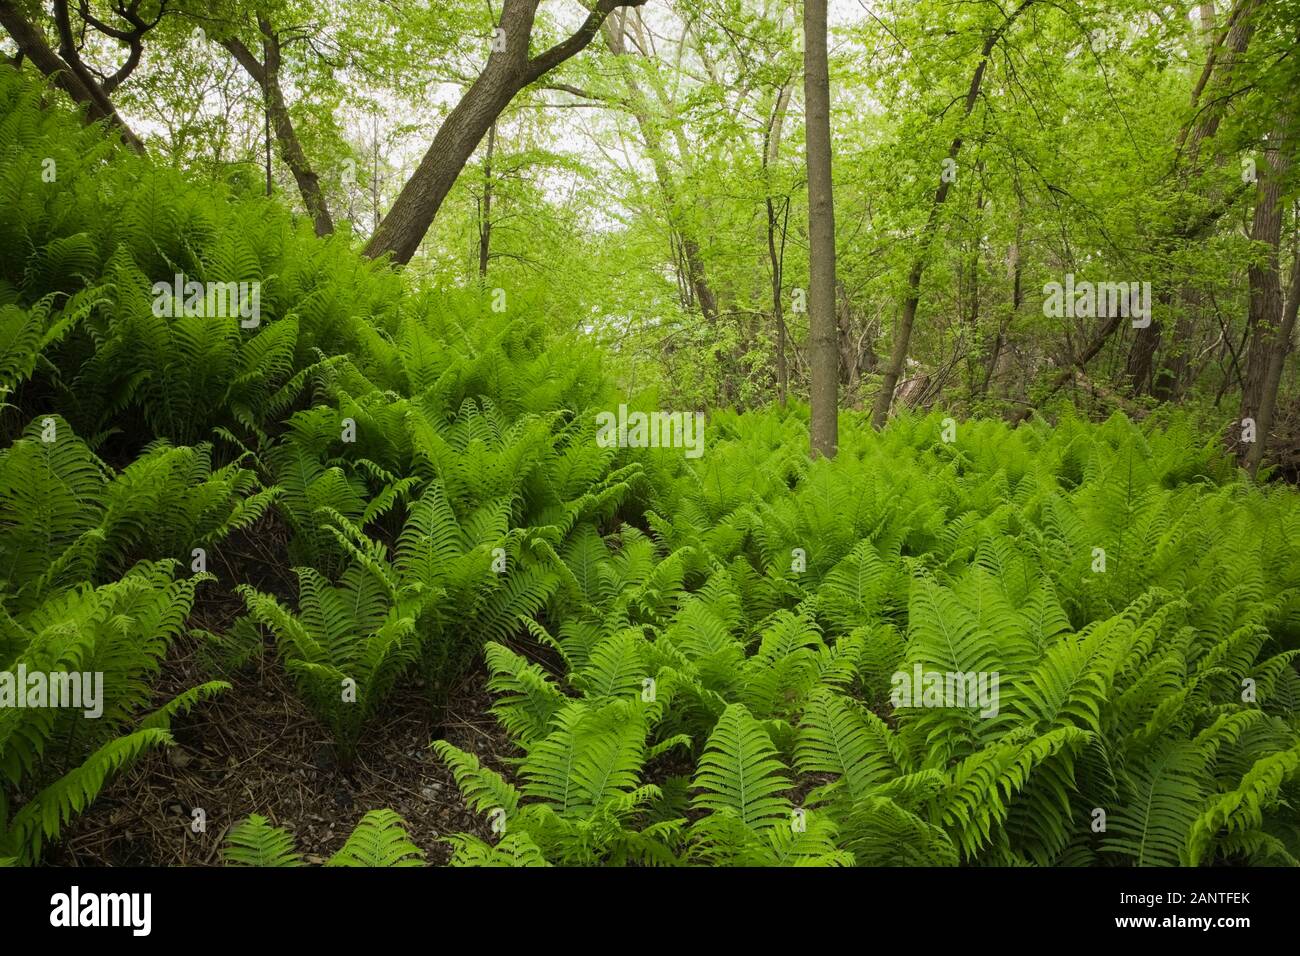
point(256, 749)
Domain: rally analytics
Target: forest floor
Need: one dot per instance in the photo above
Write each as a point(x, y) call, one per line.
point(255, 748)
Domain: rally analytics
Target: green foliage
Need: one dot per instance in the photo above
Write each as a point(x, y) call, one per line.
point(255, 842)
point(66, 516)
point(428, 465)
point(55, 760)
point(1156, 691)
point(346, 646)
point(697, 660)
point(379, 840)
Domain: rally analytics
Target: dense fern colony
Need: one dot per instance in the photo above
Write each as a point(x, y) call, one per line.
point(1145, 714)
point(698, 661)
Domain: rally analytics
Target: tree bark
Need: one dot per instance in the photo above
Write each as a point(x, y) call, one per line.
point(1230, 45)
point(1079, 364)
point(1265, 316)
point(509, 69)
point(973, 316)
point(823, 347)
point(771, 150)
point(1280, 346)
point(1167, 381)
point(1191, 230)
point(1015, 270)
point(637, 103)
point(704, 290)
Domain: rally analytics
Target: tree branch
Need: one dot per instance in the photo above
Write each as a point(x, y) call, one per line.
point(79, 85)
point(543, 63)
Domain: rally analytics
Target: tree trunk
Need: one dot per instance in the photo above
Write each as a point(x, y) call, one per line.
point(885, 397)
point(973, 316)
point(1080, 363)
point(1015, 270)
point(696, 278)
point(823, 351)
point(778, 307)
point(1265, 315)
point(771, 150)
point(1280, 346)
point(291, 150)
point(509, 69)
point(1167, 381)
point(485, 217)
point(1227, 49)
point(71, 77)
point(266, 75)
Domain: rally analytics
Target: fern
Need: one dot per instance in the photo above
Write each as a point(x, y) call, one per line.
point(378, 841)
point(255, 842)
point(739, 774)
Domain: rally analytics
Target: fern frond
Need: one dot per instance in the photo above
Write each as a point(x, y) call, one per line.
point(380, 840)
point(255, 842)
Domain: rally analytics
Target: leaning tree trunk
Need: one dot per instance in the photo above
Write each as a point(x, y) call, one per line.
point(778, 311)
point(1190, 231)
point(1225, 53)
point(1167, 381)
point(266, 75)
point(1070, 371)
point(485, 215)
point(71, 77)
point(885, 397)
point(509, 69)
point(776, 259)
point(1015, 270)
point(823, 350)
point(973, 316)
point(638, 104)
point(403, 228)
